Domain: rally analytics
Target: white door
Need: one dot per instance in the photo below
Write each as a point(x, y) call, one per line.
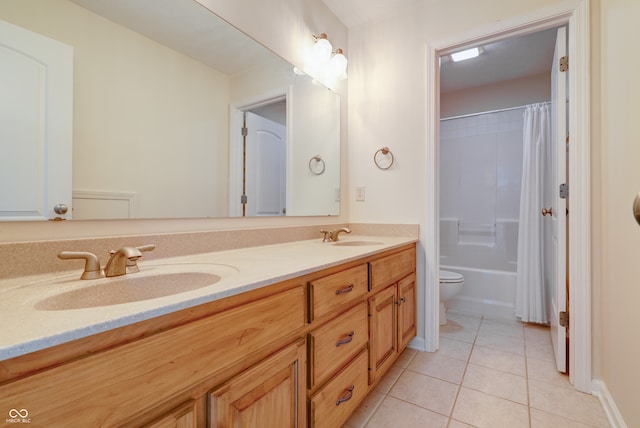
point(558, 175)
point(265, 167)
point(36, 108)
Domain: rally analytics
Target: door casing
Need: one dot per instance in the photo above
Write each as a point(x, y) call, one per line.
point(574, 14)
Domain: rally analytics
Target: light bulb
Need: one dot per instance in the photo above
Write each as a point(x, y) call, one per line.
point(339, 65)
point(322, 49)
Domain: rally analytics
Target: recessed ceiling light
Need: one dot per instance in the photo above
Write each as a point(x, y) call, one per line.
point(465, 54)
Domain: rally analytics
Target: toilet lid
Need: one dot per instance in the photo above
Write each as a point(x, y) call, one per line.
point(450, 277)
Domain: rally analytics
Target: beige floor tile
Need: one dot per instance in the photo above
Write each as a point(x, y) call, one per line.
point(389, 378)
point(546, 371)
point(457, 424)
point(501, 343)
point(512, 329)
point(455, 349)
point(365, 410)
point(460, 327)
point(540, 350)
point(497, 383)
point(394, 413)
point(499, 360)
point(540, 419)
point(537, 333)
point(567, 403)
point(405, 358)
point(425, 391)
point(484, 410)
point(438, 366)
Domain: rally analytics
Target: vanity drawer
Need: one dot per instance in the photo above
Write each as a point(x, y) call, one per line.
point(392, 268)
point(333, 404)
point(336, 342)
point(333, 291)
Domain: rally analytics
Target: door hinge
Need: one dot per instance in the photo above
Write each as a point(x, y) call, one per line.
point(564, 63)
point(245, 131)
point(564, 319)
point(243, 199)
point(564, 191)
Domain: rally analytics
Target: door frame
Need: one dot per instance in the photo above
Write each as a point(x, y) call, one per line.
point(575, 14)
point(236, 119)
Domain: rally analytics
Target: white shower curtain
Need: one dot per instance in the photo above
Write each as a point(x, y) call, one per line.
point(530, 289)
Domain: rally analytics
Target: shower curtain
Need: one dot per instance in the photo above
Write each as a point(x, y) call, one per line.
point(530, 288)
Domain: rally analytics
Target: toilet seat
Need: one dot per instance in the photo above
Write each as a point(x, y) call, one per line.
point(448, 277)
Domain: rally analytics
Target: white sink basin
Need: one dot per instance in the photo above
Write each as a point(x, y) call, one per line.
point(355, 243)
point(150, 283)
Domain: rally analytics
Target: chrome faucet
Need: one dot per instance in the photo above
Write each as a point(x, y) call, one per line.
point(333, 235)
point(125, 260)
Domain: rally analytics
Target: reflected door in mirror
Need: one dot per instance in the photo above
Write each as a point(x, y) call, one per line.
point(36, 107)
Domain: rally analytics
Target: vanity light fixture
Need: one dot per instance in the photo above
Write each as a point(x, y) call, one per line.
point(327, 63)
point(322, 49)
point(339, 64)
point(466, 54)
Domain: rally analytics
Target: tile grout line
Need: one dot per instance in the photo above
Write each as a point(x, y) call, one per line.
point(473, 344)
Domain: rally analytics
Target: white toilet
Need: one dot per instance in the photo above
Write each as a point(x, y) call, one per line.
point(450, 284)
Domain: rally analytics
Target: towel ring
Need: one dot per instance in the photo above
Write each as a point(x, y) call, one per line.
point(318, 160)
point(385, 151)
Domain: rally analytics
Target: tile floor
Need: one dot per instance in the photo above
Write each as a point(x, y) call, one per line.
point(487, 373)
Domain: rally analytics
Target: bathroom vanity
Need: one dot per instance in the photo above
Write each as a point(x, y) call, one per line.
point(276, 346)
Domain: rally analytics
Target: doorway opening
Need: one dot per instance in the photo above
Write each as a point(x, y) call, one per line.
point(576, 18)
point(258, 159)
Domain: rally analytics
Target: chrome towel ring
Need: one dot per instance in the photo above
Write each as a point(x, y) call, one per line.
point(385, 160)
point(316, 165)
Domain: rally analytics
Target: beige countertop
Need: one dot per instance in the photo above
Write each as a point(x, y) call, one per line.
point(25, 328)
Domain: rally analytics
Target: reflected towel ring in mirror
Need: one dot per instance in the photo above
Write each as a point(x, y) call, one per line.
point(385, 160)
point(316, 165)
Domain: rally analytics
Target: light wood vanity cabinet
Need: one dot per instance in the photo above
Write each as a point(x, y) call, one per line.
point(303, 352)
point(272, 393)
point(392, 310)
point(182, 417)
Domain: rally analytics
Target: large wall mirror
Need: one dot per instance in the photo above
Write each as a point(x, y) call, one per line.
point(177, 114)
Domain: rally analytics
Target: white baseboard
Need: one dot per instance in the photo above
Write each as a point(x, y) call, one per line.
point(600, 390)
point(418, 343)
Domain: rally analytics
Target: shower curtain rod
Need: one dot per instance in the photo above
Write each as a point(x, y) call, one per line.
point(488, 112)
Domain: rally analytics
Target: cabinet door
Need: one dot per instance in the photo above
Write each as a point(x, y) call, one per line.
point(382, 331)
point(406, 311)
point(183, 416)
point(274, 390)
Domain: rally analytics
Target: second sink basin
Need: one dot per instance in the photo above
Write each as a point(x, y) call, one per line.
point(157, 282)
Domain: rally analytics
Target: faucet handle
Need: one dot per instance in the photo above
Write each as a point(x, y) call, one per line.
point(148, 247)
point(325, 235)
point(91, 266)
point(132, 263)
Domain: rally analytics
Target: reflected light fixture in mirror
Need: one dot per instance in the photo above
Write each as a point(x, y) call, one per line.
point(325, 61)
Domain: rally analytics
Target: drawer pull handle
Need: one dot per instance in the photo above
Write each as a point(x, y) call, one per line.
point(347, 396)
point(344, 290)
point(346, 340)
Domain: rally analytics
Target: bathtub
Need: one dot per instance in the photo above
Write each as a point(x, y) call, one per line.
point(488, 292)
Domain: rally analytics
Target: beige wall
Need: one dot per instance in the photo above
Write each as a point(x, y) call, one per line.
point(619, 114)
point(512, 93)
